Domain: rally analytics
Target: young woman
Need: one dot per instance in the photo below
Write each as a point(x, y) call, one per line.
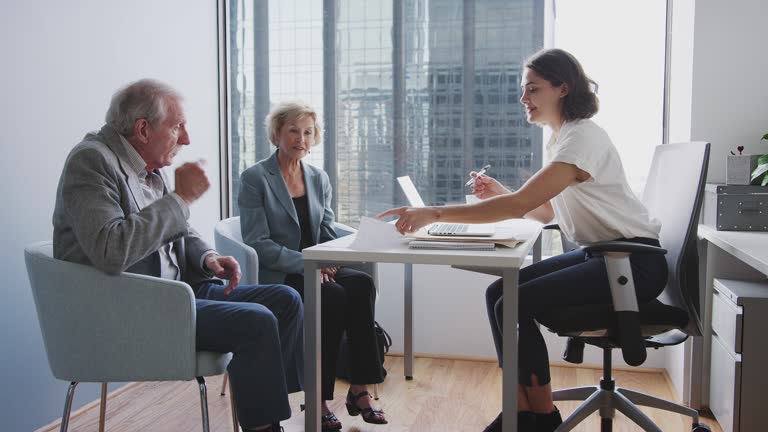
point(584, 187)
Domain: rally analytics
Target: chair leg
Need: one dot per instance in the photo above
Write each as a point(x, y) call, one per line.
point(203, 402)
point(103, 408)
point(643, 399)
point(583, 411)
point(224, 384)
point(625, 407)
point(235, 423)
point(68, 406)
point(576, 393)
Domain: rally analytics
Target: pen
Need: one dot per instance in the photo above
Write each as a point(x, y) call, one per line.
point(479, 173)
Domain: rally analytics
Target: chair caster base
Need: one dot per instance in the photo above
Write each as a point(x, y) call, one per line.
point(700, 427)
point(409, 378)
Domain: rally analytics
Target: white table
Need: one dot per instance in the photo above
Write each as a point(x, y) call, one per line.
point(503, 261)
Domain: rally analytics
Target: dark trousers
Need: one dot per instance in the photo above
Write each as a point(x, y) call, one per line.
point(348, 305)
point(263, 326)
point(572, 278)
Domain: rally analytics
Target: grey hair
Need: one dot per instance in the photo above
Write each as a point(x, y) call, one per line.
point(284, 111)
point(145, 98)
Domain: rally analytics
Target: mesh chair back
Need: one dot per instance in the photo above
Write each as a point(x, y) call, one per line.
point(673, 194)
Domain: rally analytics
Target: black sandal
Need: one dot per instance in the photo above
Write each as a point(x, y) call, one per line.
point(370, 415)
point(330, 423)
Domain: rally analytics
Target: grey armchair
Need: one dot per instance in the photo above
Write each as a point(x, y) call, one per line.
point(102, 328)
point(673, 194)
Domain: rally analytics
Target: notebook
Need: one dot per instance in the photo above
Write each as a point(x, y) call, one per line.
point(426, 244)
point(444, 229)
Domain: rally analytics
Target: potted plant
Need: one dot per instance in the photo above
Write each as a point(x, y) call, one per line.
point(760, 174)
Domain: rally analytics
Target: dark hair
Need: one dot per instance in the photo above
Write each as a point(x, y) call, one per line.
point(560, 67)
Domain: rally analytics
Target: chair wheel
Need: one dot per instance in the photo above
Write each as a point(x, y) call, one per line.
point(701, 427)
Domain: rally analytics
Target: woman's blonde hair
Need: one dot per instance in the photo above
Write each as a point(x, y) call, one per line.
point(284, 111)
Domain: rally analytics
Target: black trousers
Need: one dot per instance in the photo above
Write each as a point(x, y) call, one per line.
point(348, 305)
point(569, 279)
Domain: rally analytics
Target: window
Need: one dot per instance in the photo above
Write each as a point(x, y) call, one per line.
point(388, 79)
point(628, 66)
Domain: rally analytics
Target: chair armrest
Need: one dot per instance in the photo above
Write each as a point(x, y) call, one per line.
point(622, 246)
point(105, 328)
point(343, 230)
point(624, 298)
point(245, 255)
point(566, 244)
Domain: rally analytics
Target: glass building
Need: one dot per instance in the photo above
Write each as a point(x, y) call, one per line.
point(389, 78)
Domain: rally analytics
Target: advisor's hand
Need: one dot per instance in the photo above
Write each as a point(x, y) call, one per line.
point(225, 267)
point(410, 219)
point(487, 187)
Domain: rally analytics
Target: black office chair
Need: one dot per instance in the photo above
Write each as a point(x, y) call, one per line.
point(673, 194)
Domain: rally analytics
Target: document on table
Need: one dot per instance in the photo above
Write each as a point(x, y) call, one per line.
point(506, 238)
point(374, 234)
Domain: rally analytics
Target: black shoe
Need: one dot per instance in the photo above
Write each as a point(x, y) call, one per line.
point(548, 422)
point(526, 422)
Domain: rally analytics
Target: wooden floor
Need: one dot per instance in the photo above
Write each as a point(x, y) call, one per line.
point(445, 395)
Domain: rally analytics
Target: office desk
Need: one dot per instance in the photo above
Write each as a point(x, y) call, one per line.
point(503, 261)
point(727, 255)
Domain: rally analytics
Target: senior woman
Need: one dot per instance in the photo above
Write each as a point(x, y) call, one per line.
point(285, 206)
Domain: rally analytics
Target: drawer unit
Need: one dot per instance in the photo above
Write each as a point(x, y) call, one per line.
point(725, 386)
point(727, 318)
point(739, 354)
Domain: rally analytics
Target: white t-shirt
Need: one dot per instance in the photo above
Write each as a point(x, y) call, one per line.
point(604, 207)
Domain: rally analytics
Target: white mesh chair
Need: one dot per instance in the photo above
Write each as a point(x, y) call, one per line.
point(673, 194)
point(102, 328)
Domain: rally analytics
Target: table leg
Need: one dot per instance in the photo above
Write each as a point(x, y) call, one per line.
point(408, 325)
point(509, 387)
point(312, 346)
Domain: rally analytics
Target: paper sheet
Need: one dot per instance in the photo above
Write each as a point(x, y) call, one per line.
point(374, 234)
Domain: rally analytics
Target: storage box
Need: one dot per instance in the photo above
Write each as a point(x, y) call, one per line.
point(736, 207)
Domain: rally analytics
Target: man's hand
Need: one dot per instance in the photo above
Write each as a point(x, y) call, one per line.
point(487, 187)
point(225, 267)
point(327, 274)
point(191, 182)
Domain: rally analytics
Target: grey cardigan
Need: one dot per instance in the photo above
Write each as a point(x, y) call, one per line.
point(268, 218)
point(101, 218)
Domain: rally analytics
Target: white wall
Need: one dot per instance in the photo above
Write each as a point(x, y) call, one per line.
point(729, 86)
point(61, 63)
point(719, 90)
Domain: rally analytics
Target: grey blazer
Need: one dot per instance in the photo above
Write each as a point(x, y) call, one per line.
point(101, 218)
point(268, 218)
